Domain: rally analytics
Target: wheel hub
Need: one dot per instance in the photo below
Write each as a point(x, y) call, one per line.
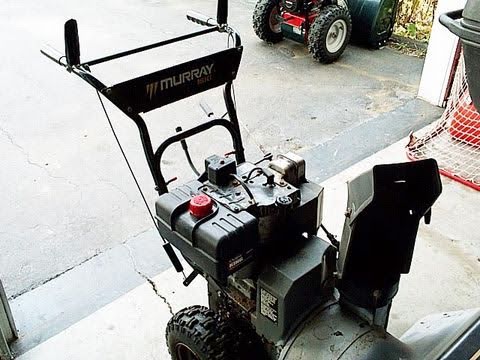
point(185, 353)
point(336, 35)
point(274, 22)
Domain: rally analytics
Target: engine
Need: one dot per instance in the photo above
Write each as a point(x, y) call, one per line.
point(293, 5)
point(226, 221)
point(299, 6)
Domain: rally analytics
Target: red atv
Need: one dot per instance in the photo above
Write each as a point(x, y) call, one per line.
point(324, 26)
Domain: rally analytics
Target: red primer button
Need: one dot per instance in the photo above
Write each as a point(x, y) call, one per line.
point(200, 206)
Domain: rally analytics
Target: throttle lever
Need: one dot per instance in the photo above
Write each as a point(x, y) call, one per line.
point(266, 157)
point(206, 108)
point(188, 280)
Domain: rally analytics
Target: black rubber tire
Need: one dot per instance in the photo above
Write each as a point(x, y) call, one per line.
point(261, 21)
point(200, 330)
point(317, 36)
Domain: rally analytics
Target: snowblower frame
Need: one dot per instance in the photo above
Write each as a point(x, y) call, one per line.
point(151, 91)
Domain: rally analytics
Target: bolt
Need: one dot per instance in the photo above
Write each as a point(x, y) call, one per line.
point(348, 213)
point(129, 109)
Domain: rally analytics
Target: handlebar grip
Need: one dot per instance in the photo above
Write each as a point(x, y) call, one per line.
point(72, 44)
point(222, 12)
point(201, 19)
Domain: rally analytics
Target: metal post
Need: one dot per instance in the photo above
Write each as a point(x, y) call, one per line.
point(8, 332)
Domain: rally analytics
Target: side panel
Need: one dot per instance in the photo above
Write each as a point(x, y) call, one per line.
point(290, 288)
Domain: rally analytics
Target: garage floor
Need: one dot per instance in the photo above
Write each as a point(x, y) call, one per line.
point(72, 225)
point(444, 277)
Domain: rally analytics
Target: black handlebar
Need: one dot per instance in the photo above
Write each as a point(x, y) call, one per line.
point(145, 89)
point(226, 66)
point(185, 134)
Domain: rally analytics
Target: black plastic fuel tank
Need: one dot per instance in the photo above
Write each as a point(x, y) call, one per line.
point(219, 243)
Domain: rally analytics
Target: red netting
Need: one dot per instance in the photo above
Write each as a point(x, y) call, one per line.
point(454, 141)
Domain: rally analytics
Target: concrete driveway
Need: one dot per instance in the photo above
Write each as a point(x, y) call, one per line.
point(67, 197)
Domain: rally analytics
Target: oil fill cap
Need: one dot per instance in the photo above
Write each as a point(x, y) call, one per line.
point(200, 206)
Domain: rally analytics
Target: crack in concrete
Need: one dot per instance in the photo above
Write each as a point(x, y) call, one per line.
point(136, 235)
point(147, 279)
point(379, 78)
point(115, 186)
point(43, 282)
point(33, 163)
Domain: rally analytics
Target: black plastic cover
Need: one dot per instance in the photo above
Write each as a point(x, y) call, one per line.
point(385, 206)
point(219, 169)
point(292, 285)
point(372, 20)
point(217, 245)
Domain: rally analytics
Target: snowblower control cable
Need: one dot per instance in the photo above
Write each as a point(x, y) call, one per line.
point(166, 245)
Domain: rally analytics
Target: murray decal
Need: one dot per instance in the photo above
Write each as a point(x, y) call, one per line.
point(201, 75)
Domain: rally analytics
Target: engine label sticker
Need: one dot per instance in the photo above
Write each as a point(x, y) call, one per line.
point(238, 261)
point(268, 305)
point(235, 262)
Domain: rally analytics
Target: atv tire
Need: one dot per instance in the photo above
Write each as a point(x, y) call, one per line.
point(197, 333)
point(330, 33)
point(265, 22)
